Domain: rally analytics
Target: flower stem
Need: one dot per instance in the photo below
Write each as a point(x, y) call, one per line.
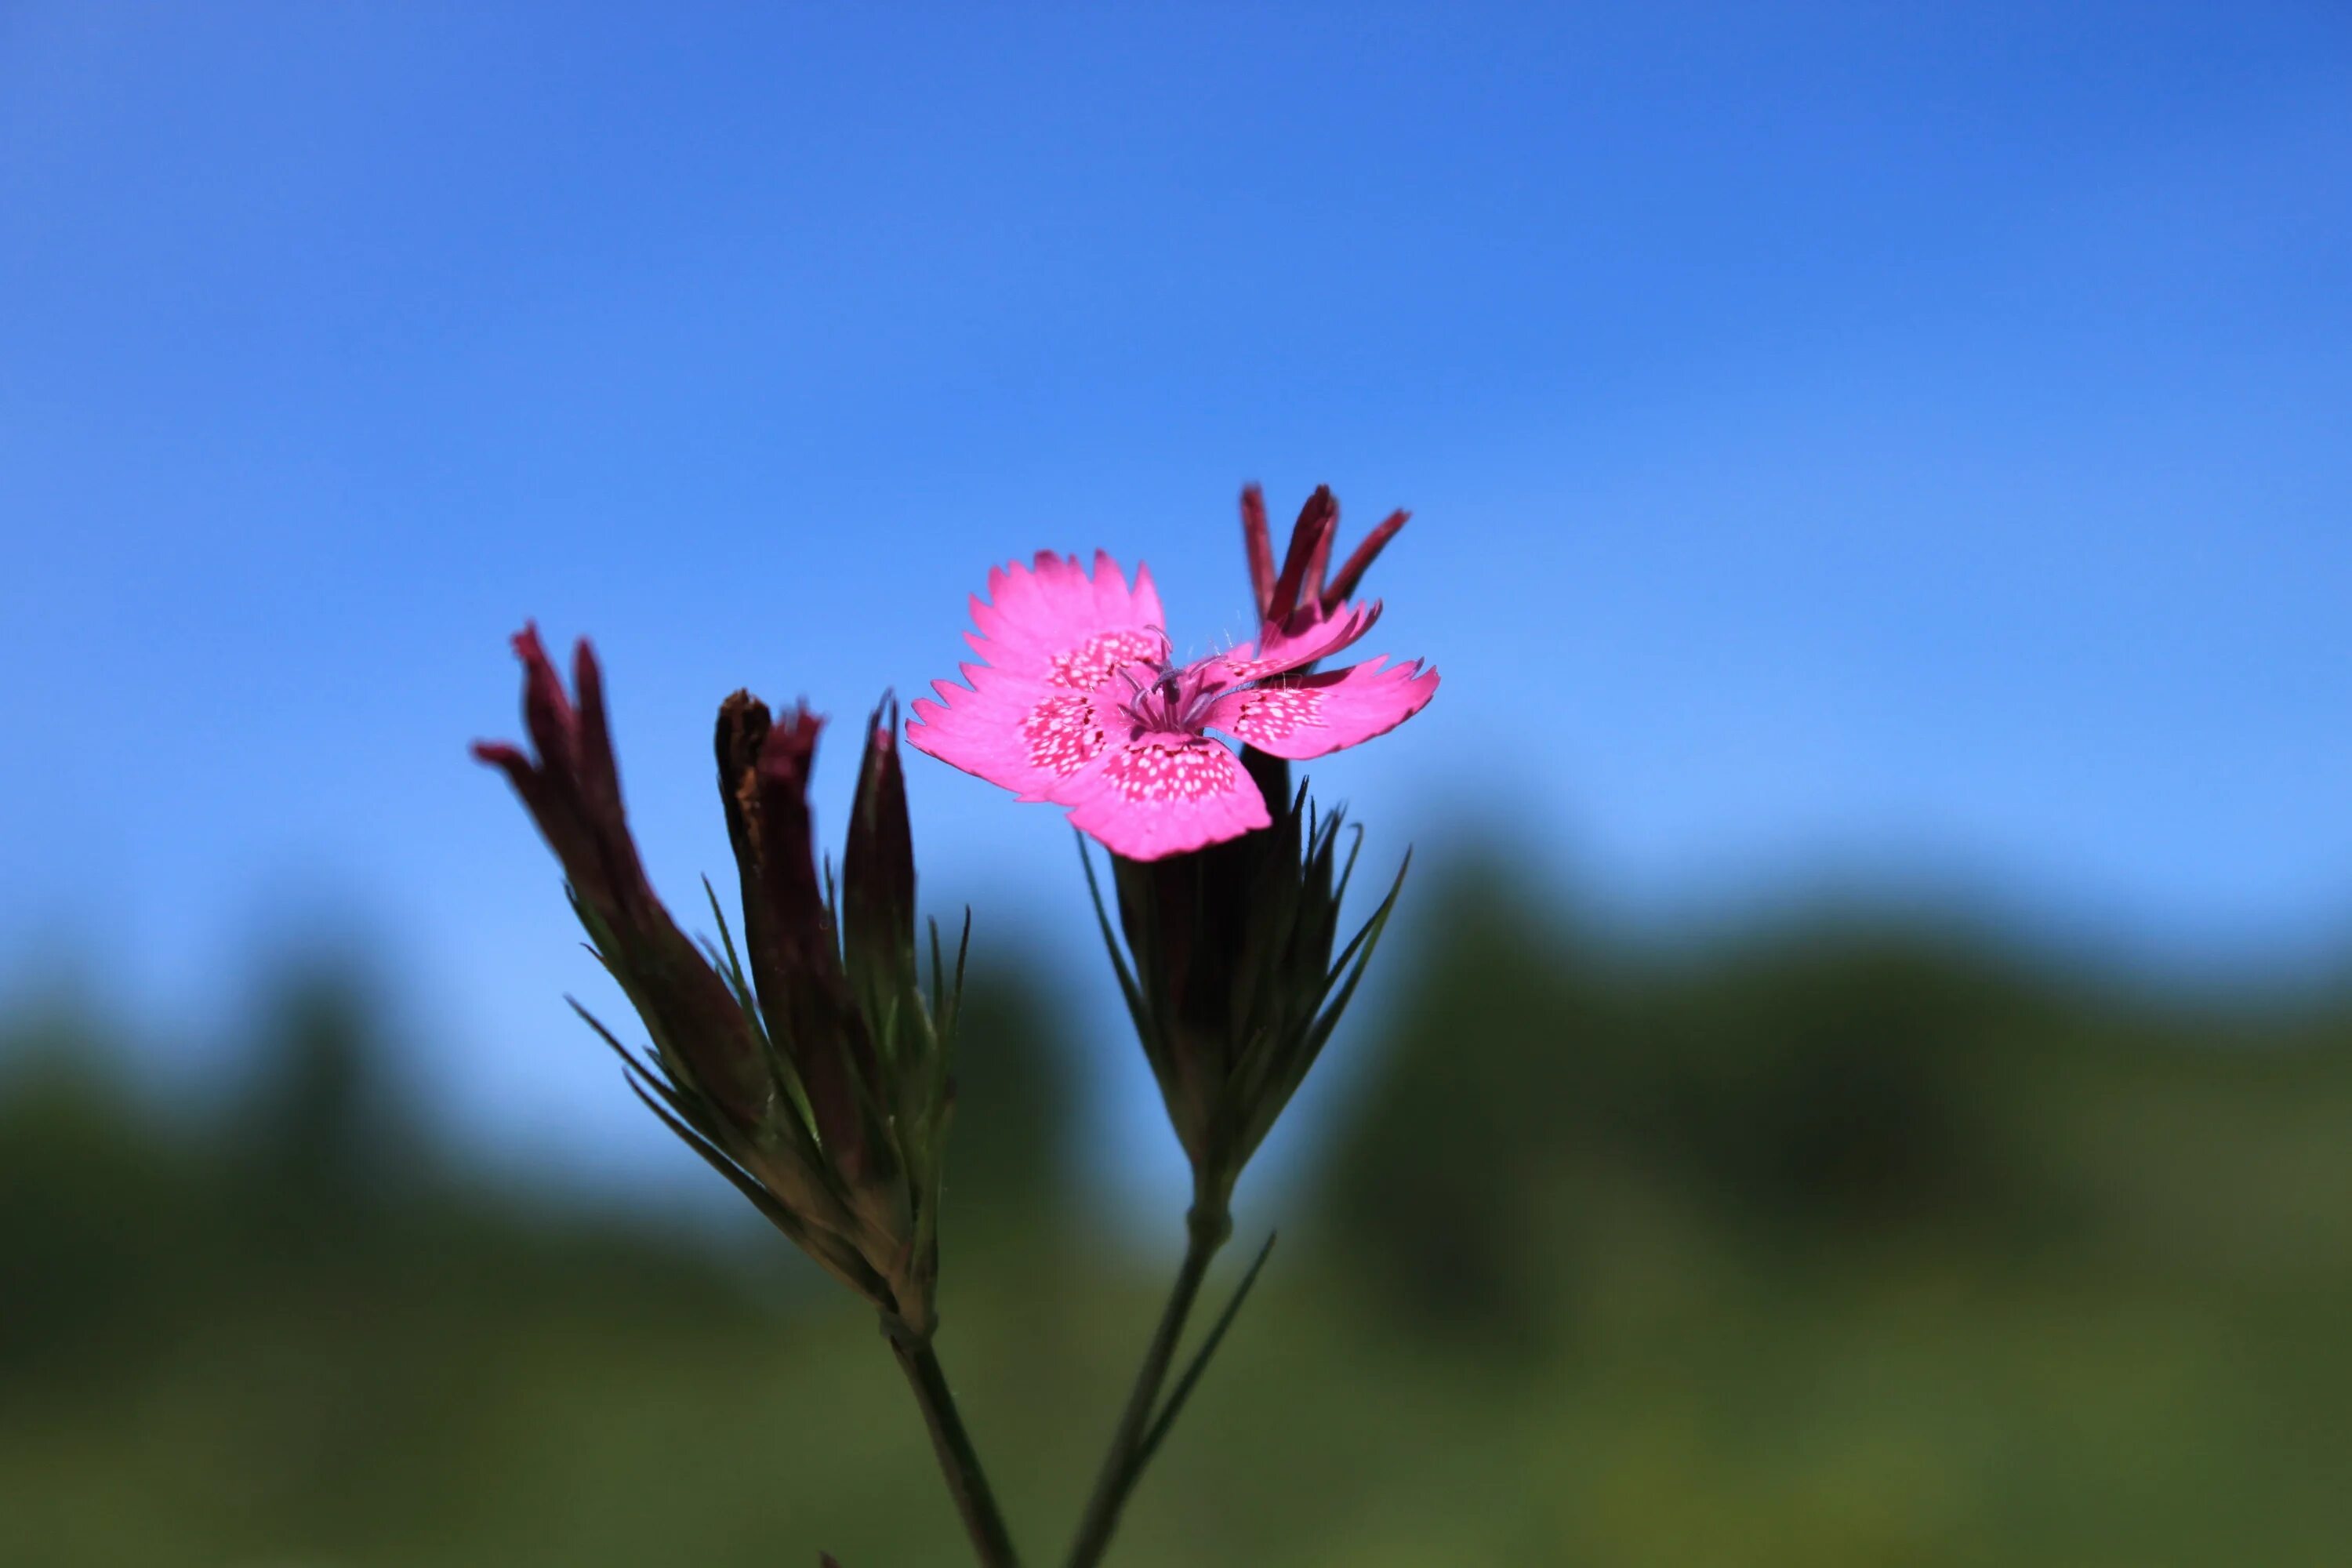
point(1206, 1228)
point(958, 1462)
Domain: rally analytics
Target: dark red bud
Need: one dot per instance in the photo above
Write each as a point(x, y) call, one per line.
point(795, 899)
point(1260, 547)
point(877, 871)
point(599, 772)
point(742, 729)
point(1310, 548)
point(764, 767)
point(572, 790)
point(1352, 573)
point(547, 711)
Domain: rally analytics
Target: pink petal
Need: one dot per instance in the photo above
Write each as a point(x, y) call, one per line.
point(1304, 638)
point(1164, 793)
point(1051, 635)
point(1033, 738)
point(1303, 716)
point(1054, 622)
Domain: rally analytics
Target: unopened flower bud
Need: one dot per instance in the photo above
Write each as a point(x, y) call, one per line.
point(773, 1075)
point(878, 870)
point(1300, 584)
point(574, 793)
point(795, 962)
point(1233, 987)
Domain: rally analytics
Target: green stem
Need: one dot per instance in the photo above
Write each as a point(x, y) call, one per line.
point(958, 1462)
point(1206, 1228)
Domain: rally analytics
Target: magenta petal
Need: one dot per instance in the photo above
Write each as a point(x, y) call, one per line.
point(1303, 716)
point(1057, 622)
point(1034, 739)
point(1051, 634)
point(1304, 638)
point(1165, 793)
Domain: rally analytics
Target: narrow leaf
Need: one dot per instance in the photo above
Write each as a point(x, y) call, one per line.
point(1200, 1362)
point(1126, 984)
point(1367, 937)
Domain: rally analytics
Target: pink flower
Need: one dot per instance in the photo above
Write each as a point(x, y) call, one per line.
point(1078, 702)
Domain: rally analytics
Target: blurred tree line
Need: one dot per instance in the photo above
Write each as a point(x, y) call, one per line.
point(1841, 1241)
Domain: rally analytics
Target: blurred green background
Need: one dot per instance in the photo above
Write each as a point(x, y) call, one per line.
point(1849, 1239)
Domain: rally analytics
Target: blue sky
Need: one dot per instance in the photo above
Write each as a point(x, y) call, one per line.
point(1880, 442)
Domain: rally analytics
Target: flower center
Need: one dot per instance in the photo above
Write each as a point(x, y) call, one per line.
point(1175, 701)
